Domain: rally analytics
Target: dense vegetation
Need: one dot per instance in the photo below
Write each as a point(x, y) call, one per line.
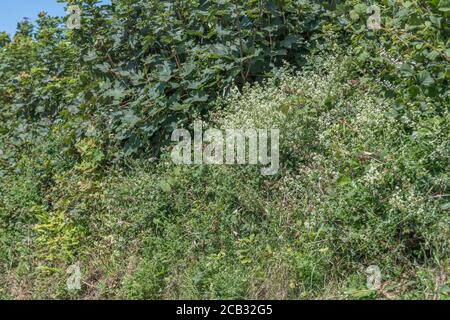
point(86, 175)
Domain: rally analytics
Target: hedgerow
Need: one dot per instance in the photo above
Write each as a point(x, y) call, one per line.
point(86, 175)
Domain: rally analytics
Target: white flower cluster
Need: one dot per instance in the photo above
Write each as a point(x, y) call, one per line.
point(267, 104)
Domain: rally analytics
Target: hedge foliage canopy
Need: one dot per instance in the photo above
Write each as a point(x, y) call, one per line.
point(136, 69)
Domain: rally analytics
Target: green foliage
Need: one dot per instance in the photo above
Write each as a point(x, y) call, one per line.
point(137, 70)
point(4, 39)
point(364, 175)
point(410, 50)
point(152, 65)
